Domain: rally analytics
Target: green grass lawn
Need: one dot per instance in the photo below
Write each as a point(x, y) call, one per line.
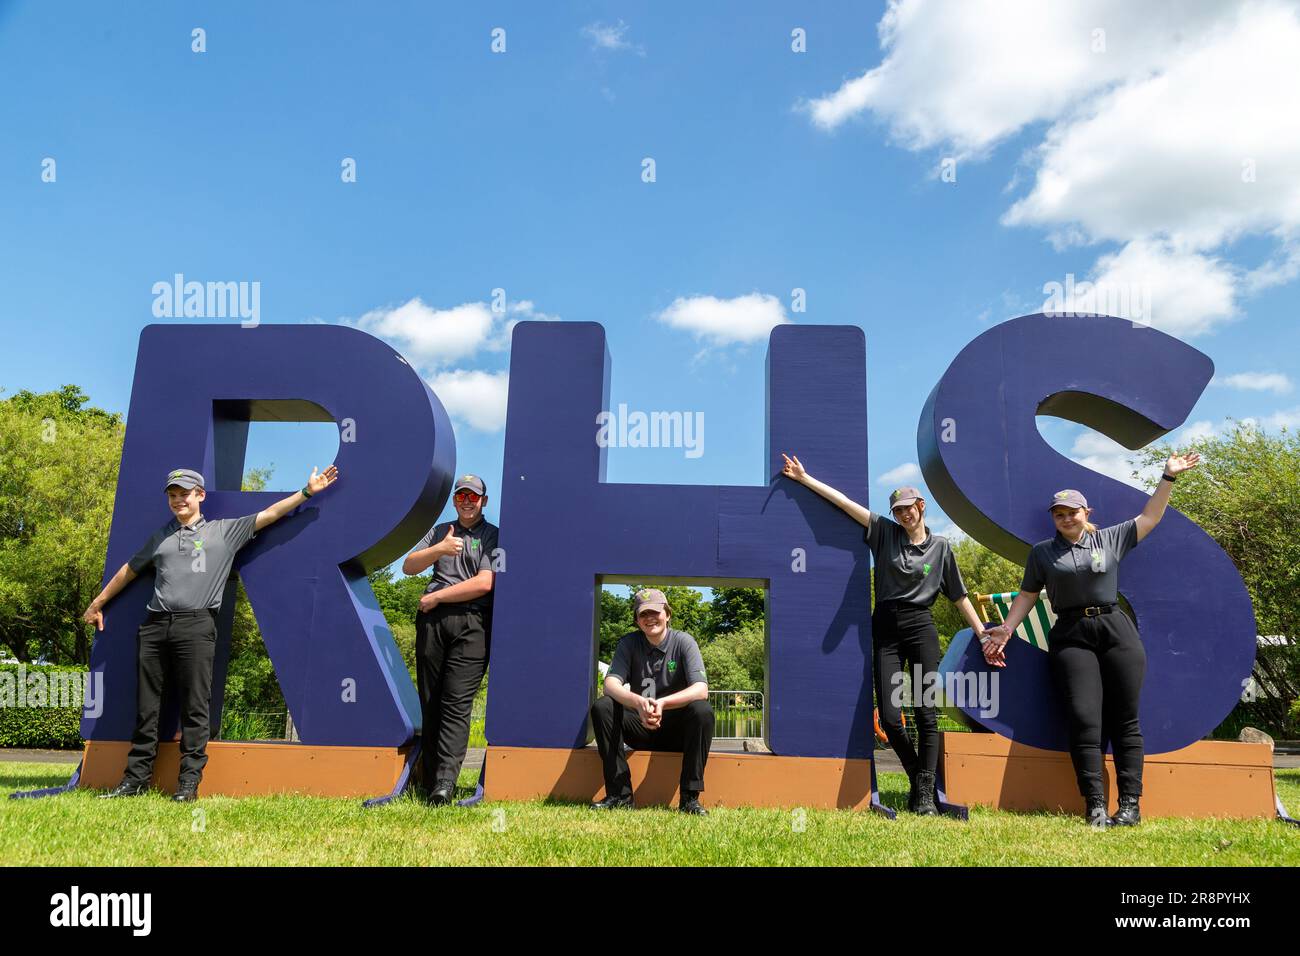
point(76, 829)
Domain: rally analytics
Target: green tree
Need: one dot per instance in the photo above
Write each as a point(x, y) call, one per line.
point(615, 621)
point(735, 609)
point(58, 476)
point(251, 684)
point(1245, 495)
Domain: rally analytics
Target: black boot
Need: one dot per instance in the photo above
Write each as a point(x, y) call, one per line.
point(911, 795)
point(925, 805)
point(1128, 814)
point(1095, 812)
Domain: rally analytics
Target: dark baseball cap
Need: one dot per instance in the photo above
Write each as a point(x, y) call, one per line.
point(904, 496)
point(649, 597)
point(183, 478)
point(472, 482)
point(1069, 498)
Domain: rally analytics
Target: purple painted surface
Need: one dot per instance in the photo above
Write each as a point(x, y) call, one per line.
point(1134, 384)
point(196, 388)
point(542, 674)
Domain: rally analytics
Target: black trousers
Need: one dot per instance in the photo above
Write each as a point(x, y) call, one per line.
point(903, 637)
point(451, 656)
point(174, 650)
point(686, 730)
point(1097, 665)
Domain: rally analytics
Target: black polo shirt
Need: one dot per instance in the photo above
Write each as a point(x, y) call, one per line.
point(911, 573)
point(1083, 574)
point(480, 544)
point(192, 563)
point(656, 672)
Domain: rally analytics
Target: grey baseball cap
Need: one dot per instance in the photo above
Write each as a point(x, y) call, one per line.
point(904, 496)
point(1068, 498)
point(471, 482)
point(649, 597)
point(184, 478)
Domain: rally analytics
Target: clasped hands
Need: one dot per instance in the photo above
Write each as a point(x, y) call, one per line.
point(651, 712)
point(994, 648)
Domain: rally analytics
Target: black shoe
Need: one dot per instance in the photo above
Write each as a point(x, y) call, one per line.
point(1128, 814)
point(615, 802)
point(691, 804)
point(925, 805)
point(186, 793)
point(911, 796)
point(441, 795)
point(125, 789)
point(1095, 812)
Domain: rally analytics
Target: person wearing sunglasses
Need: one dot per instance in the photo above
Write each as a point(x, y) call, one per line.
point(911, 567)
point(191, 557)
point(453, 633)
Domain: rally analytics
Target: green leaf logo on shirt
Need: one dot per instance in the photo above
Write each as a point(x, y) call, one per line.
point(927, 568)
point(672, 666)
point(198, 544)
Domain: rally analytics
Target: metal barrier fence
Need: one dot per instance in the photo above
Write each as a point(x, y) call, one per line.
point(736, 714)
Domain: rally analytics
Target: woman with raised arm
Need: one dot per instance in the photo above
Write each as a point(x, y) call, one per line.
point(911, 567)
point(1094, 652)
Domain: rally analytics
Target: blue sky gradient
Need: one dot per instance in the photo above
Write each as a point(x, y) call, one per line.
point(522, 171)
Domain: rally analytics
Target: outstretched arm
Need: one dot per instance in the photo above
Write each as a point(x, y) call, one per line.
point(1155, 506)
point(95, 613)
point(794, 470)
point(315, 485)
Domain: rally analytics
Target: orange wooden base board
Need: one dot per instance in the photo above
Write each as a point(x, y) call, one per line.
point(1211, 778)
point(238, 769)
point(731, 780)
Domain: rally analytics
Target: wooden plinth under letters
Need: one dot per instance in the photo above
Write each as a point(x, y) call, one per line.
point(731, 780)
point(240, 769)
point(1211, 778)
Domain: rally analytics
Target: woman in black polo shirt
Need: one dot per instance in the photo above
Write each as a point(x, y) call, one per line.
point(1094, 651)
point(911, 567)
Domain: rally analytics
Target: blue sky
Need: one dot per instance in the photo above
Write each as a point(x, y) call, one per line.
point(775, 170)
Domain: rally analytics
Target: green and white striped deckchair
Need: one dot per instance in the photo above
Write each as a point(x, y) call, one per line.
point(1037, 622)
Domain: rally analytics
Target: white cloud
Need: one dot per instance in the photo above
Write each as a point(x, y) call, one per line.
point(1288, 418)
point(1183, 293)
point(1095, 451)
point(611, 38)
point(1176, 139)
point(1195, 432)
point(1274, 382)
point(969, 74)
point(905, 473)
point(473, 396)
point(428, 336)
point(746, 318)
point(432, 339)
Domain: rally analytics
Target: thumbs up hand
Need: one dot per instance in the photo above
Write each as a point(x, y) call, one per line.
point(450, 545)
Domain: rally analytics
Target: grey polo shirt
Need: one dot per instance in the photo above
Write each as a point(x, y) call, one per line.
point(475, 556)
point(912, 573)
point(1083, 574)
point(192, 564)
point(656, 672)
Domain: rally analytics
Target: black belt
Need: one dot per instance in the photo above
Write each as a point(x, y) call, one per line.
point(1095, 611)
point(189, 613)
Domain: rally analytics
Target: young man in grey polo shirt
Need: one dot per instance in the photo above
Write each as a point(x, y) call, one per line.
point(453, 633)
point(192, 558)
point(656, 698)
